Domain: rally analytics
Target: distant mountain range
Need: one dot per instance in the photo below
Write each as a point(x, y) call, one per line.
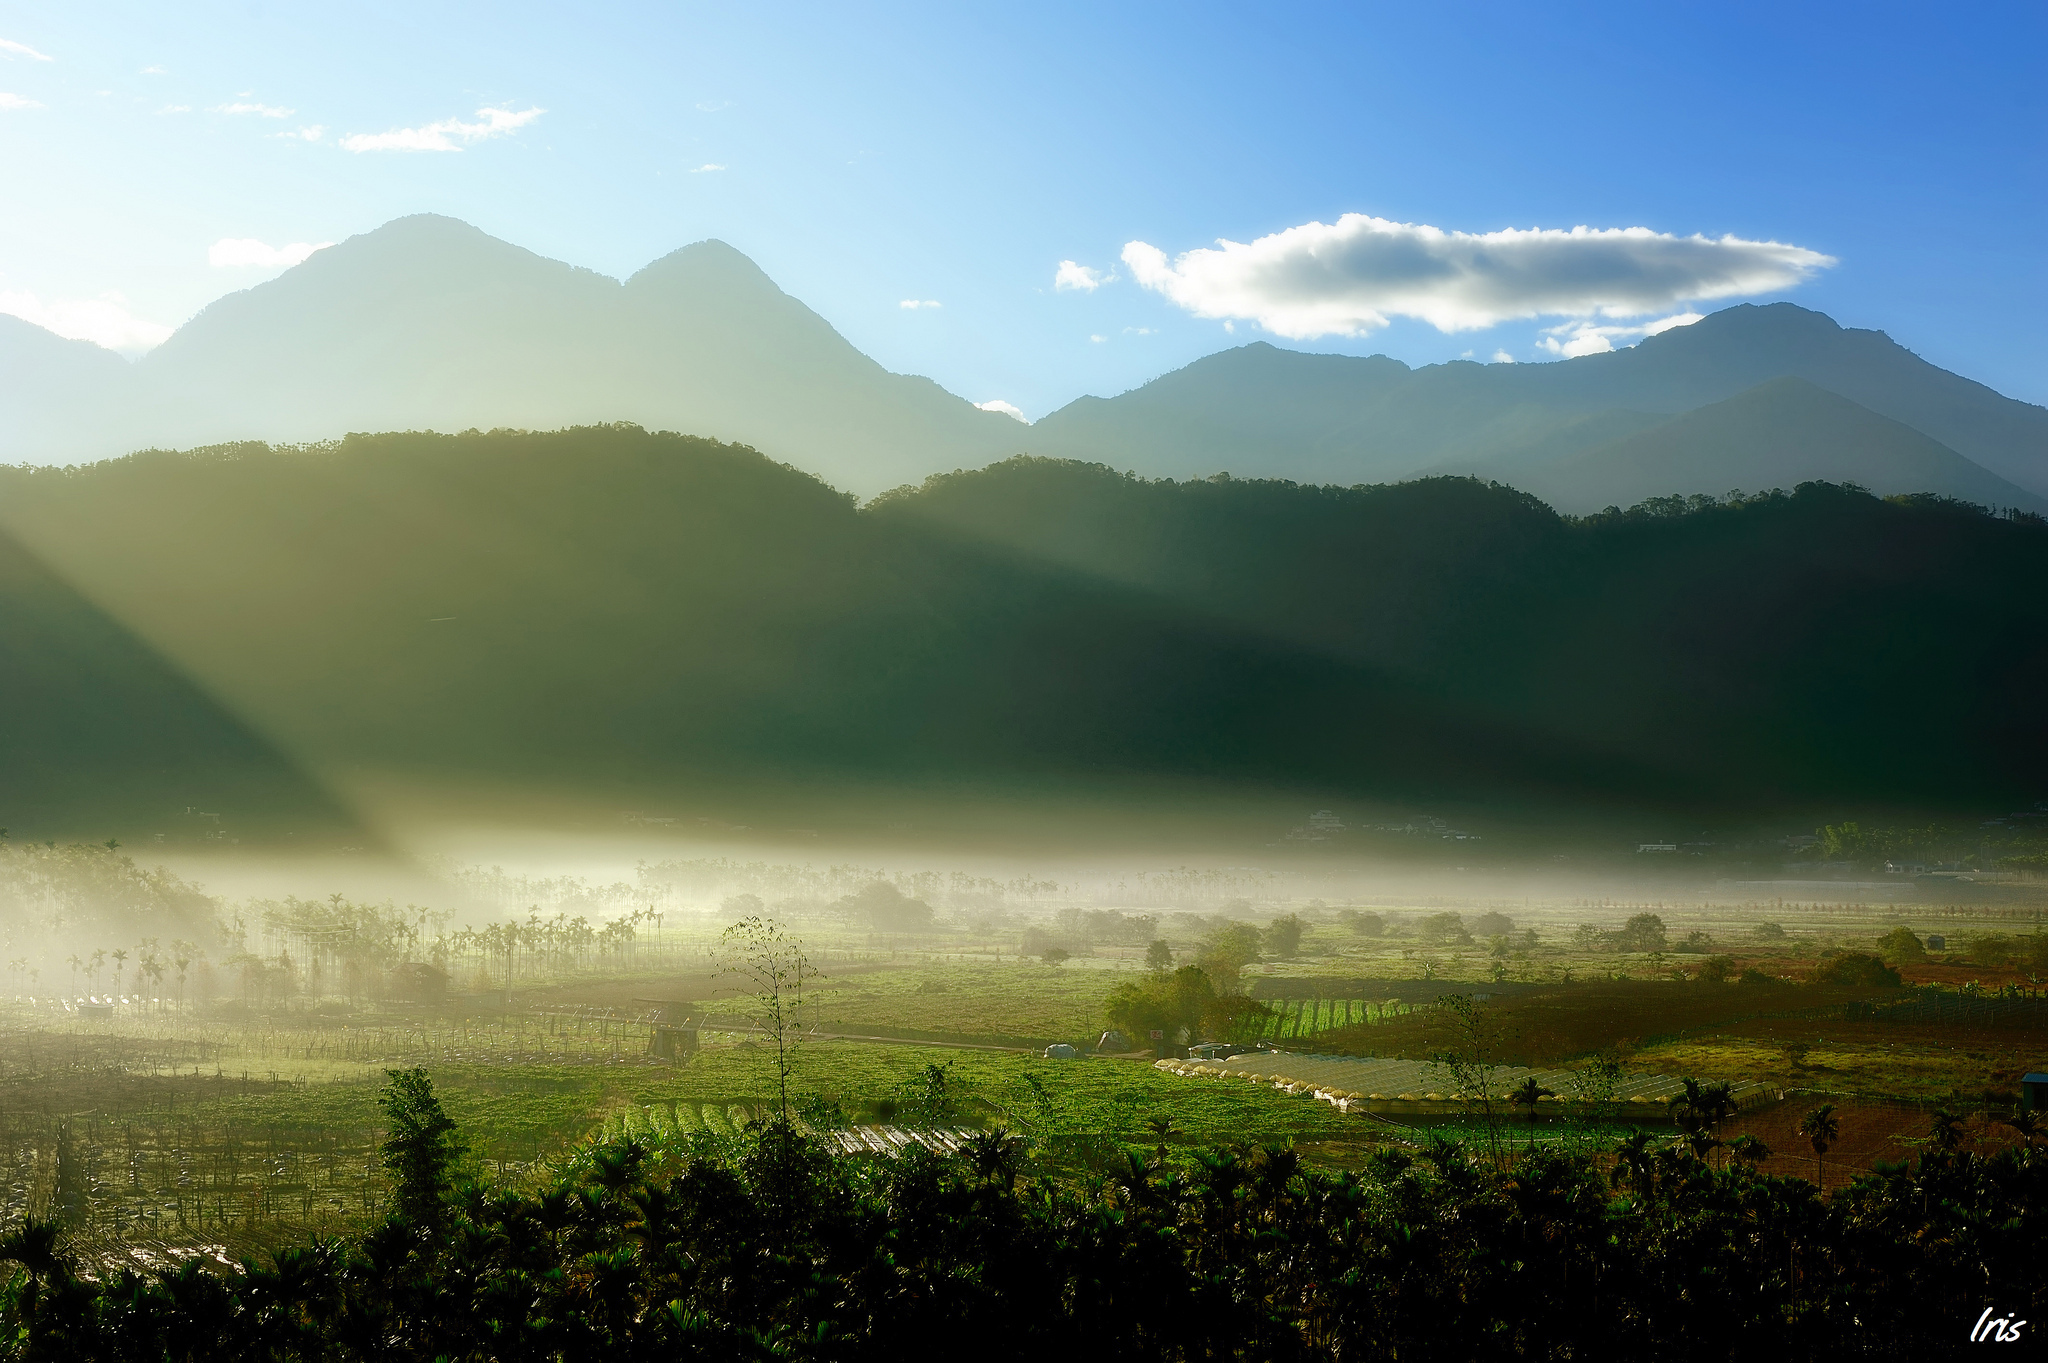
point(427, 323)
point(1749, 398)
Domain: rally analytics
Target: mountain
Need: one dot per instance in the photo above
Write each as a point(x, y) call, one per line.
point(1259, 411)
point(1780, 433)
point(54, 393)
point(612, 609)
point(428, 323)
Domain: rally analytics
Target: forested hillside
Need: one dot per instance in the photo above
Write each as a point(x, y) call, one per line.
point(606, 605)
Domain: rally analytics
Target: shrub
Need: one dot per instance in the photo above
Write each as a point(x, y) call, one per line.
point(1901, 947)
point(1768, 932)
point(1695, 943)
point(1492, 924)
point(1857, 969)
point(1717, 969)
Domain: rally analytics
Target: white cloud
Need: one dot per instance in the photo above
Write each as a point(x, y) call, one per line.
point(1350, 277)
point(259, 110)
point(1502, 357)
point(1072, 276)
point(1098, 340)
point(712, 106)
point(241, 251)
point(450, 134)
point(915, 303)
point(14, 49)
point(104, 320)
point(1007, 409)
point(8, 101)
point(153, 71)
point(312, 132)
point(707, 168)
point(1573, 339)
point(1138, 331)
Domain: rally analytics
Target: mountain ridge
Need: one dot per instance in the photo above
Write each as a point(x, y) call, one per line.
point(430, 323)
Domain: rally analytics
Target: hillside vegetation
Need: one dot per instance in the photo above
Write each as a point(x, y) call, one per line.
point(608, 604)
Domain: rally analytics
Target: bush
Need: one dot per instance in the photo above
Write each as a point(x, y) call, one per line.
point(1492, 924)
point(1717, 969)
point(1768, 932)
point(1857, 969)
point(1901, 947)
point(1364, 924)
point(1695, 943)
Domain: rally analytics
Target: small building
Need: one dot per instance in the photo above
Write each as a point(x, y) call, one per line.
point(2034, 1091)
point(1936, 942)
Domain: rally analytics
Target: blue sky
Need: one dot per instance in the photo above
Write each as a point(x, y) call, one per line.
point(866, 155)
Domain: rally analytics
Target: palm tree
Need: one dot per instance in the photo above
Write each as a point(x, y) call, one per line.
point(1749, 1150)
point(1529, 1095)
point(2023, 1123)
point(1945, 1131)
point(1820, 1129)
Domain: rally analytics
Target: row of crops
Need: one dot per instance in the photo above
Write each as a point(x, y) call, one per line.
point(1291, 1019)
point(664, 1122)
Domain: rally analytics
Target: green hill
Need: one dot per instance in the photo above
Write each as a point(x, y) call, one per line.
point(605, 608)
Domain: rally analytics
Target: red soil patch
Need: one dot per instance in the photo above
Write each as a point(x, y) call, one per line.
point(1869, 1132)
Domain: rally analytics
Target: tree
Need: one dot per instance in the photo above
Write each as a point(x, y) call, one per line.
point(1820, 1129)
point(1642, 932)
point(1445, 928)
point(1227, 951)
point(1717, 969)
point(775, 969)
point(1529, 1095)
point(1945, 1131)
point(887, 909)
point(421, 1148)
point(1768, 932)
point(1159, 956)
point(1283, 936)
point(1492, 924)
point(1901, 947)
point(1470, 1059)
point(1749, 1150)
point(1056, 955)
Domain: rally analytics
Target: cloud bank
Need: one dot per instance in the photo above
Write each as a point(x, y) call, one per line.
point(450, 134)
point(104, 320)
point(1350, 277)
point(232, 251)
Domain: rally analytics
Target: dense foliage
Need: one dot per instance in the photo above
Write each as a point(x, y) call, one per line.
point(767, 1248)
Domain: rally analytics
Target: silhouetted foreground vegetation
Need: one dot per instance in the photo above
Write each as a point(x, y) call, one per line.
point(767, 1248)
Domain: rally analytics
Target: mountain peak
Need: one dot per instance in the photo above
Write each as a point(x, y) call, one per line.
point(706, 267)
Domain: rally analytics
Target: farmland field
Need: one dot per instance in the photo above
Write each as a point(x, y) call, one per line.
point(246, 1115)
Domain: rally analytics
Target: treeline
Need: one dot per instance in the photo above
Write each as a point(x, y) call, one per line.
point(767, 1248)
point(610, 608)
